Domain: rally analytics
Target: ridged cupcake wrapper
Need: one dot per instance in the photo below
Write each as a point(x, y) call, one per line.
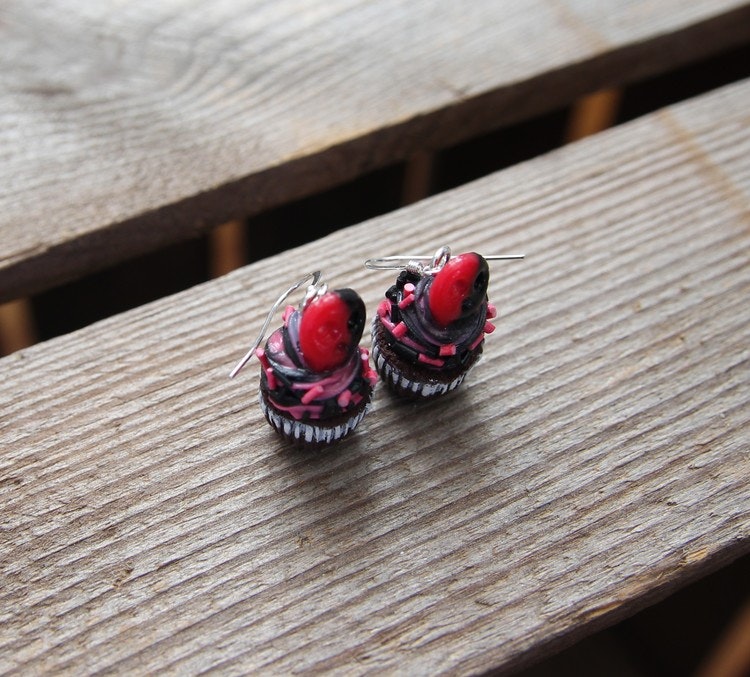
point(394, 379)
point(307, 433)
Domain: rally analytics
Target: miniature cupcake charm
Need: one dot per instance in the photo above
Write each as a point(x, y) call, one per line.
point(316, 382)
point(429, 331)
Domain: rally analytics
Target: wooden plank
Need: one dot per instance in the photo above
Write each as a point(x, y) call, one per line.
point(593, 113)
point(17, 328)
point(596, 459)
point(228, 247)
point(127, 128)
point(731, 656)
point(418, 171)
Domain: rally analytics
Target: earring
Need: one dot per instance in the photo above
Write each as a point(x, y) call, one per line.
point(429, 330)
point(316, 382)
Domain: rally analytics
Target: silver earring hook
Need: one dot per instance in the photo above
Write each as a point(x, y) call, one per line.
point(312, 291)
point(416, 263)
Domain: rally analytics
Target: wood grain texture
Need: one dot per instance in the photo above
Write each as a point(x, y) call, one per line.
point(595, 459)
point(123, 128)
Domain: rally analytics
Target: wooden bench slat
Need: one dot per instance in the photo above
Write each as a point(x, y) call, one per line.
point(121, 131)
point(595, 460)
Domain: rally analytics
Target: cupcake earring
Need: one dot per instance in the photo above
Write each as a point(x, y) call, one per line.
point(429, 330)
point(316, 382)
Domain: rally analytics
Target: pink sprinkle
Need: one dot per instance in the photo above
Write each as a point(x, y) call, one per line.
point(491, 311)
point(261, 355)
point(430, 360)
point(400, 329)
point(408, 289)
point(364, 354)
point(384, 308)
point(489, 327)
point(477, 341)
point(448, 349)
point(271, 377)
point(311, 394)
point(386, 322)
point(406, 301)
point(344, 398)
point(287, 312)
point(356, 398)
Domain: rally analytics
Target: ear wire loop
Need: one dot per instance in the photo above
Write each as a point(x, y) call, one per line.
point(315, 275)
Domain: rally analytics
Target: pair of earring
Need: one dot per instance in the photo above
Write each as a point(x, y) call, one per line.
point(316, 381)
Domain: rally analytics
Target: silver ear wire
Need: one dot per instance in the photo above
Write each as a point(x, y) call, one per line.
point(416, 263)
point(395, 262)
point(313, 290)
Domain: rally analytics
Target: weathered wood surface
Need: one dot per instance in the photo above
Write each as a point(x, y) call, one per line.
point(126, 127)
point(596, 459)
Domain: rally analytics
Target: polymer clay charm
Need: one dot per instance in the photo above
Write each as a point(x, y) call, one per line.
point(316, 382)
point(429, 330)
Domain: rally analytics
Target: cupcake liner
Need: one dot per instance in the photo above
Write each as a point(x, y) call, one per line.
point(308, 434)
point(410, 387)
